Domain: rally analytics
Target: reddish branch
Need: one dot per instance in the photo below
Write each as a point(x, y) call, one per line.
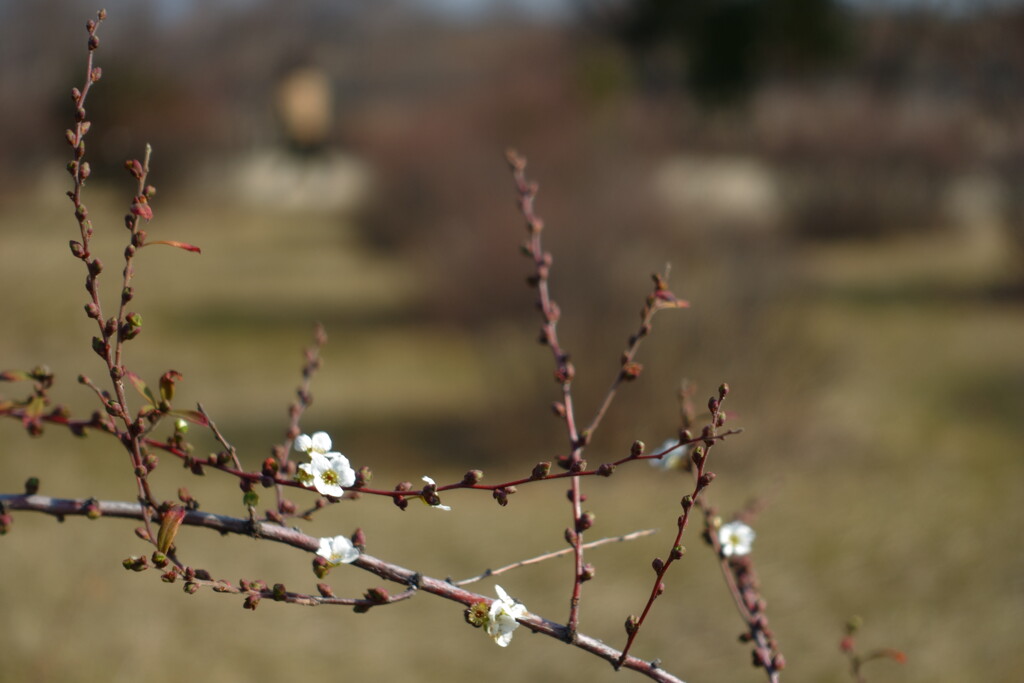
point(61, 508)
point(661, 298)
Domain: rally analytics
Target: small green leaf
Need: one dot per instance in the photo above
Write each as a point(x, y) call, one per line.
point(14, 376)
point(192, 416)
point(141, 387)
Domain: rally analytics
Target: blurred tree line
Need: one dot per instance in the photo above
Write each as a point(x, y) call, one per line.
point(720, 50)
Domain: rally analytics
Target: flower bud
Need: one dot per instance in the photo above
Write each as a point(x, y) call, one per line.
point(31, 486)
point(565, 374)
point(325, 590)
point(135, 563)
point(605, 470)
point(632, 623)
point(540, 470)
point(585, 521)
point(637, 449)
point(270, 467)
point(472, 477)
point(631, 371)
point(657, 565)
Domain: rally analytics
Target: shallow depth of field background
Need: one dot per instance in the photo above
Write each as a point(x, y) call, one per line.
point(838, 190)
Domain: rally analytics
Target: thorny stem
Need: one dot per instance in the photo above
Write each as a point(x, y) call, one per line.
point(765, 647)
point(303, 399)
point(701, 481)
point(386, 570)
point(564, 370)
point(113, 328)
point(659, 299)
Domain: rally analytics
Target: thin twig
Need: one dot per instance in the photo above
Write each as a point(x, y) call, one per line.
point(549, 556)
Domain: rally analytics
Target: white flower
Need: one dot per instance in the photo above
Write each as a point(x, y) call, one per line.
point(438, 506)
point(320, 442)
point(501, 618)
point(736, 538)
point(337, 550)
point(672, 459)
point(329, 473)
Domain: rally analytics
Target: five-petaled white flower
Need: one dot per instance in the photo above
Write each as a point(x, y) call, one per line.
point(501, 617)
point(672, 459)
point(328, 471)
point(337, 550)
point(438, 506)
point(736, 538)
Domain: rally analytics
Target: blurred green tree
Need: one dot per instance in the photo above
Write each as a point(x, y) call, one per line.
point(719, 50)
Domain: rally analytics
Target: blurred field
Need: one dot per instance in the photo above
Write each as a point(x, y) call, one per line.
point(883, 433)
point(859, 288)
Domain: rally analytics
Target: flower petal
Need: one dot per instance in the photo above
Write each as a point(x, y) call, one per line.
point(303, 443)
point(321, 442)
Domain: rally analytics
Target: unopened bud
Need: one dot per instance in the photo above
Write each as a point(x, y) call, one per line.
point(585, 521)
point(321, 567)
point(540, 470)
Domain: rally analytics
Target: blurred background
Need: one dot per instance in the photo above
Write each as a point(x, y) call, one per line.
point(836, 186)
